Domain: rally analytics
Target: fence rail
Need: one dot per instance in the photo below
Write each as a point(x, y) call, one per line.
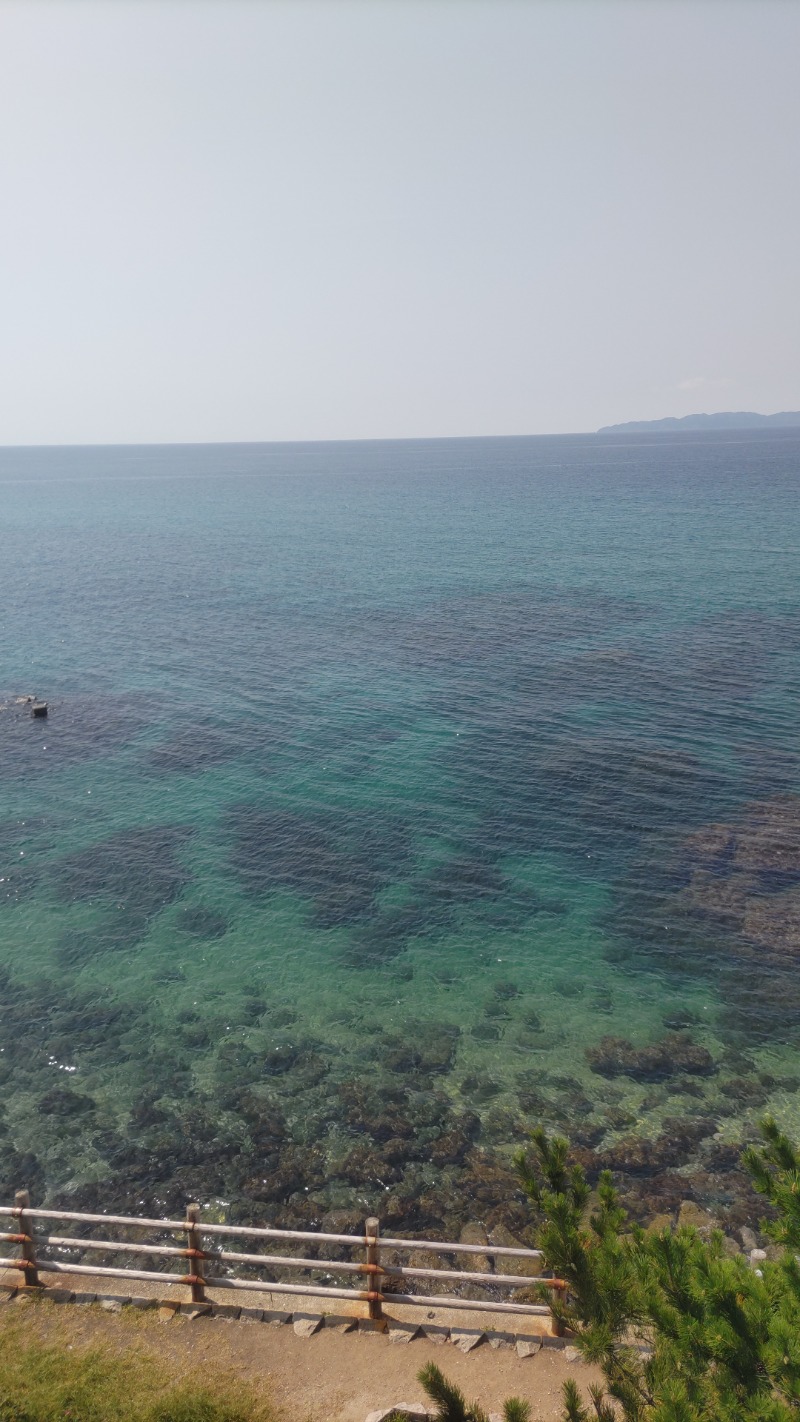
point(36, 1249)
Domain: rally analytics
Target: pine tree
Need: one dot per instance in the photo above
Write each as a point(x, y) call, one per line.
point(682, 1331)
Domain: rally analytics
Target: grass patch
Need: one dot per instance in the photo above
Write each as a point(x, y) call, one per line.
point(63, 1382)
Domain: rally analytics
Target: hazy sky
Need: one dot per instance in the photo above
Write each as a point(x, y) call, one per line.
point(283, 219)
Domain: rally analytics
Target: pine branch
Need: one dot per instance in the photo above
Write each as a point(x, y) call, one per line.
point(575, 1411)
point(515, 1409)
point(451, 1405)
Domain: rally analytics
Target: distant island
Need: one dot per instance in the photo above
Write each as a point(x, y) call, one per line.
point(725, 420)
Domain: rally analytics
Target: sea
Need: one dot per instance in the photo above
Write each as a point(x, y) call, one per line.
point(394, 798)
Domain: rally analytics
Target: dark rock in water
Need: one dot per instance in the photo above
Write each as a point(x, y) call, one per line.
point(762, 844)
point(191, 751)
point(616, 791)
point(533, 1103)
point(296, 1171)
point(281, 1057)
point(63, 1101)
point(531, 1020)
point(343, 1222)
point(589, 1134)
point(505, 990)
point(340, 862)
point(774, 923)
point(496, 1008)
point(674, 1054)
point(743, 876)
point(452, 1146)
point(762, 1002)
point(383, 934)
point(679, 1020)
point(41, 1023)
point(197, 1035)
point(16, 1166)
point(569, 987)
point(480, 1087)
point(575, 1104)
point(146, 1112)
point(733, 1059)
point(367, 1110)
point(407, 1209)
point(343, 904)
point(725, 903)
point(463, 879)
point(670, 1149)
point(746, 1090)
point(365, 1166)
point(617, 1118)
point(485, 1180)
point(686, 1086)
point(254, 1007)
point(397, 1151)
point(137, 868)
point(722, 1158)
point(431, 1051)
point(485, 1032)
point(201, 922)
point(403, 972)
point(281, 1016)
point(501, 1125)
point(311, 1068)
point(18, 882)
point(116, 931)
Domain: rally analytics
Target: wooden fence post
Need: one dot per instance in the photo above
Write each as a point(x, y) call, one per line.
point(22, 1202)
point(196, 1262)
point(373, 1230)
point(558, 1328)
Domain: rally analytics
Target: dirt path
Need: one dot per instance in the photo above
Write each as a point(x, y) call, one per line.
point(330, 1377)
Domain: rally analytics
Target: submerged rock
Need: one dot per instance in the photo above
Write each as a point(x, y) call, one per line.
point(640, 1155)
point(132, 875)
point(724, 903)
point(761, 844)
point(430, 1051)
point(693, 1215)
point(191, 750)
point(201, 922)
point(743, 876)
point(486, 1032)
point(339, 862)
point(774, 923)
point(672, 1055)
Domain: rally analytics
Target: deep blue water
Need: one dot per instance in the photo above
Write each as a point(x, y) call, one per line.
point(381, 781)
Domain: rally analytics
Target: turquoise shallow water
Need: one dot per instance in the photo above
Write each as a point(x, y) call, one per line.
point(381, 783)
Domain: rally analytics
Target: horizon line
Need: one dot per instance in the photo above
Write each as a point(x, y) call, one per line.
point(339, 439)
point(617, 427)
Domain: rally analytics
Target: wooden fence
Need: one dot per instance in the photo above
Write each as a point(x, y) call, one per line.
point(39, 1252)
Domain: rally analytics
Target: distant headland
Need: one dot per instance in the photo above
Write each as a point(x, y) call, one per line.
point(725, 420)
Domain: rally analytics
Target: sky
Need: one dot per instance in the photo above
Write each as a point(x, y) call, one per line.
point(347, 219)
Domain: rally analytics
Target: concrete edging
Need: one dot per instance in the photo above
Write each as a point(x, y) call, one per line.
point(396, 1331)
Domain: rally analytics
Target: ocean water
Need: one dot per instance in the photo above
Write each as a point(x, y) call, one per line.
point(393, 797)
